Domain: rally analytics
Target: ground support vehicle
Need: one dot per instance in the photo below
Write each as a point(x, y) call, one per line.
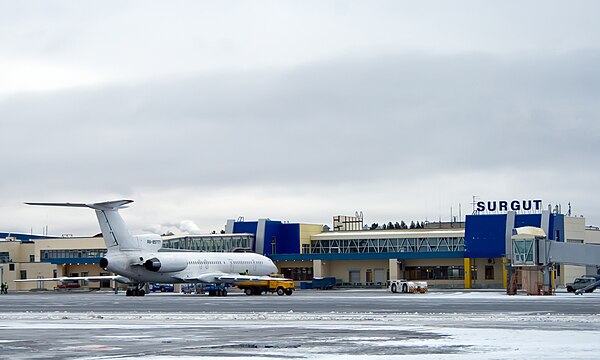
point(406, 286)
point(580, 283)
point(162, 287)
point(280, 286)
point(215, 289)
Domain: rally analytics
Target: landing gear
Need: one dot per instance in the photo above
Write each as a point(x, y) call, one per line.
point(136, 290)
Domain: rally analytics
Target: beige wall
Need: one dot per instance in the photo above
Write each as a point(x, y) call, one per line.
point(33, 270)
point(592, 235)
point(20, 253)
point(340, 269)
point(574, 228)
point(306, 231)
point(574, 232)
point(481, 282)
point(68, 244)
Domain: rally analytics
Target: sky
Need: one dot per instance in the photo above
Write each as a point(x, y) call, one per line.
point(203, 111)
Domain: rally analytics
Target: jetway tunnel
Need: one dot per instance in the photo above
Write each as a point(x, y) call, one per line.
point(532, 253)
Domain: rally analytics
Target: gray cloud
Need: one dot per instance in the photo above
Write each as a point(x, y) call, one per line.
point(401, 112)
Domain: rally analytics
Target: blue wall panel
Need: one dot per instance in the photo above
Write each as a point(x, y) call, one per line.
point(287, 236)
point(528, 220)
point(248, 227)
point(485, 236)
point(272, 230)
point(289, 241)
point(557, 227)
point(245, 227)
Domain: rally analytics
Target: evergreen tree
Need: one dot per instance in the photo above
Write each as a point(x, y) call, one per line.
point(383, 226)
point(397, 225)
point(374, 226)
point(412, 225)
point(403, 225)
point(390, 226)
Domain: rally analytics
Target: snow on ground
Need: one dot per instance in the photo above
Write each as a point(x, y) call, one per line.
point(311, 335)
point(353, 336)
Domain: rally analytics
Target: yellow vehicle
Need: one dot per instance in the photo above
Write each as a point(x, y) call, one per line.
point(279, 285)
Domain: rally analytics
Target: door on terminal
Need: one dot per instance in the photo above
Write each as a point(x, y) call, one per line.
point(379, 276)
point(354, 276)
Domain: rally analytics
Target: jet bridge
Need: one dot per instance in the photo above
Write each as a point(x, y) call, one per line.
point(536, 256)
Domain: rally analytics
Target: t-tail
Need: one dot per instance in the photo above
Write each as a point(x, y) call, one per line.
point(114, 230)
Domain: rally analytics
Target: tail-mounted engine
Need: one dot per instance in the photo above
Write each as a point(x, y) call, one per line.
point(165, 264)
point(104, 263)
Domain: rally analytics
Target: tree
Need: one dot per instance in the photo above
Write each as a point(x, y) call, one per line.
point(403, 225)
point(374, 226)
point(397, 225)
point(390, 225)
point(384, 227)
point(412, 225)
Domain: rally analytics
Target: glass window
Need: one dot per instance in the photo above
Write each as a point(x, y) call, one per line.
point(435, 272)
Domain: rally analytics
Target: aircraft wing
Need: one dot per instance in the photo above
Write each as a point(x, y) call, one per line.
point(116, 278)
point(226, 278)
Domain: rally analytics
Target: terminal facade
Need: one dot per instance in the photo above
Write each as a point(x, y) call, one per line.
point(469, 254)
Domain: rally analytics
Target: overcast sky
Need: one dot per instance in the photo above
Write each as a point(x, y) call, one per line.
point(296, 111)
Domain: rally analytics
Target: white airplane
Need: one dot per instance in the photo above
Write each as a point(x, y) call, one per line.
point(139, 259)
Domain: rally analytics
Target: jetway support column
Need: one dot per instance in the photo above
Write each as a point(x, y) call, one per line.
point(505, 272)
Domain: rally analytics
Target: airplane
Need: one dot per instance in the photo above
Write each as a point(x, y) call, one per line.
point(139, 259)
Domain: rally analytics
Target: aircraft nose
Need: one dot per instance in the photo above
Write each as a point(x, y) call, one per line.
point(274, 269)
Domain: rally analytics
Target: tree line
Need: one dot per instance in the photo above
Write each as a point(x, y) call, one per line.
point(398, 226)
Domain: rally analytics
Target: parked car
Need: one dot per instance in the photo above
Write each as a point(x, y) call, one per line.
point(68, 284)
point(582, 282)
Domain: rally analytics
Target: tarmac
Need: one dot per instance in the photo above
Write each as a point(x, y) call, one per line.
point(310, 324)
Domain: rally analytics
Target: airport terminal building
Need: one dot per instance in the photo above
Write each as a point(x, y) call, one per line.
point(468, 254)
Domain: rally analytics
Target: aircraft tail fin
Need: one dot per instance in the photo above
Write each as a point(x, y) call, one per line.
point(114, 229)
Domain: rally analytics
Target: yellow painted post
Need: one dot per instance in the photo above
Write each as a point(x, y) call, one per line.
point(467, 266)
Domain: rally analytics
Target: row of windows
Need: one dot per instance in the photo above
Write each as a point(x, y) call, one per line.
point(211, 244)
point(72, 254)
point(435, 272)
point(446, 272)
point(206, 262)
point(389, 245)
point(223, 262)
